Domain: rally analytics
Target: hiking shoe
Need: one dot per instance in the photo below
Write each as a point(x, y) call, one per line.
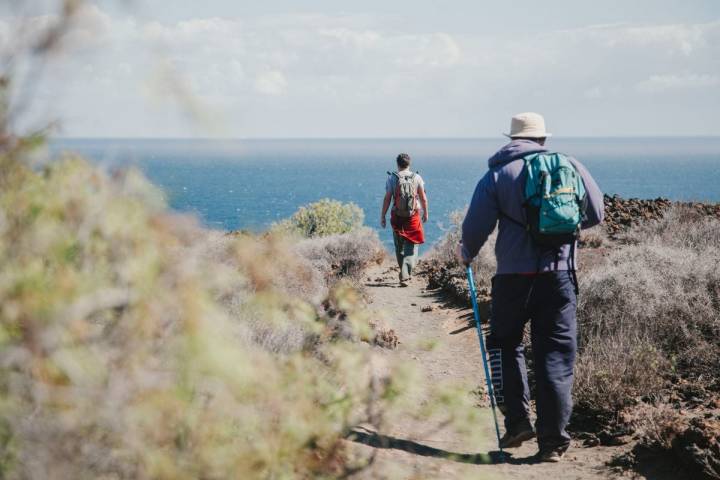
point(515, 437)
point(550, 455)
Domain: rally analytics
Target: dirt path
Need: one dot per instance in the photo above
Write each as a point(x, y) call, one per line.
point(405, 442)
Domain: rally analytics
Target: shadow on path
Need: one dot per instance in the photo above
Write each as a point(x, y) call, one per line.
point(376, 440)
point(469, 326)
point(383, 284)
point(462, 309)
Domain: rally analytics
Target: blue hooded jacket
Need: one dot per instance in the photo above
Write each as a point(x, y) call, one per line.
point(501, 190)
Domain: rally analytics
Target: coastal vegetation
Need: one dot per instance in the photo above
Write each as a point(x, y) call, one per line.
point(138, 344)
point(322, 218)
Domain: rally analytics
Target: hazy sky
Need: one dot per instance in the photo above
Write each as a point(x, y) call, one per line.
point(385, 68)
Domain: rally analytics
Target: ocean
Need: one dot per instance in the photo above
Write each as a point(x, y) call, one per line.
point(249, 184)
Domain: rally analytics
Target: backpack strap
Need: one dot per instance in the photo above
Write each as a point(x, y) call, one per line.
point(397, 180)
point(571, 269)
point(526, 160)
point(414, 179)
point(397, 175)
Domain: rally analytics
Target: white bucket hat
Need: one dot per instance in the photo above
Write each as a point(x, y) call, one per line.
point(528, 125)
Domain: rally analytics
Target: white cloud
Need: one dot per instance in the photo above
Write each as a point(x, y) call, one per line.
point(678, 38)
point(662, 83)
point(356, 39)
point(436, 50)
point(271, 83)
point(359, 74)
point(593, 93)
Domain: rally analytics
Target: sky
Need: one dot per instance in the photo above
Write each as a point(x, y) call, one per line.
point(393, 68)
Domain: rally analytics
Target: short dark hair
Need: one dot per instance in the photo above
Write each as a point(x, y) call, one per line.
point(403, 160)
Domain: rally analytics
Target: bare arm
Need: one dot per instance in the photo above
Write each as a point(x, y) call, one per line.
point(385, 206)
point(424, 203)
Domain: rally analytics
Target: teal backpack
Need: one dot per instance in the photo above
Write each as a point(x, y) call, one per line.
point(555, 199)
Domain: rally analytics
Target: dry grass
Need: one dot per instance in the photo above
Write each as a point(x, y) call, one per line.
point(594, 237)
point(659, 296)
point(343, 255)
point(305, 270)
point(658, 425)
point(615, 371)
point(682, 226)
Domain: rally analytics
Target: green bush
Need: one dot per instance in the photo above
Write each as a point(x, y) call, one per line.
point(323, 218)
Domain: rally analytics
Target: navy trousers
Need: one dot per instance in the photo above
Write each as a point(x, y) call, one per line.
point(548, 301)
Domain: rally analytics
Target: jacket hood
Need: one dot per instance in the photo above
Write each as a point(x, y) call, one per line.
point(514, 150)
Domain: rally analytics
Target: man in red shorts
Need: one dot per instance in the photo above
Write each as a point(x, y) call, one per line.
point(406, 190)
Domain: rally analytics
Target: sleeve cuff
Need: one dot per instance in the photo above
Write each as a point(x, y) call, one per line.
point(466, 255)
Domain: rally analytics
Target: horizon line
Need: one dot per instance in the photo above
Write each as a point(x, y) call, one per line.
point(500, 137)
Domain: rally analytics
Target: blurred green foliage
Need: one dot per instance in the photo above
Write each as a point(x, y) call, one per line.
point(136, 344)
point(120, 354)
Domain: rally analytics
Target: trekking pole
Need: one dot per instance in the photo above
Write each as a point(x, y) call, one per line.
point(478, 325)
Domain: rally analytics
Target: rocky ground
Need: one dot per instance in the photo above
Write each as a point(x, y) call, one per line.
point(622, 213)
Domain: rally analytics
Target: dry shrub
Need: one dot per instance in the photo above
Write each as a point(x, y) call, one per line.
point(446, 272)
point(484, 265)
point(594, 237)
point(613, 372)
point(658, 294)
point(342, 256)
point(262, 282)
point(444, 250)
point(308, 270)
point(134, 344)
point(682, 226)
point(657, 425)
point(648, 314)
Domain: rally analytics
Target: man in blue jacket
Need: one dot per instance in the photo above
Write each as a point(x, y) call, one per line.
point(532, 283)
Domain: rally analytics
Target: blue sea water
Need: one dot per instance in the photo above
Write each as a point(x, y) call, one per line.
point(249, 184)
